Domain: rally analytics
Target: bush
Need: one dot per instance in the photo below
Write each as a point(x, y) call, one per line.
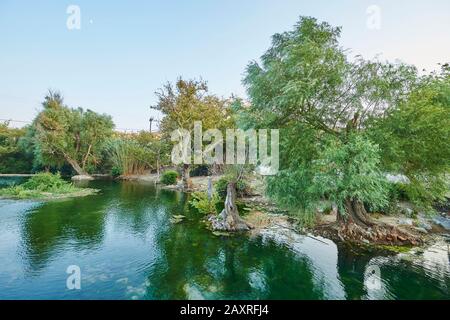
point(169, 177)
point(128, 157)
point(46, 182)
point(116, 171)
point(201, 202)
point(305, 218)
point(242, 187)
point(39, 184)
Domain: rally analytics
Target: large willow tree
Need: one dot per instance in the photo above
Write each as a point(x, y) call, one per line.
point(323, 101)
point(64, 135)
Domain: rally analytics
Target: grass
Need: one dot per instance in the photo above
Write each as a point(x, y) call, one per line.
point(45, 186)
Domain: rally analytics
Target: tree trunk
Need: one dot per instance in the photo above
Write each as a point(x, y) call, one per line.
point(157, 166)
point(230, 214)
point(80, 171)
point(210, 189)
point(86, 157)
point(185, 176)
point(354, 213)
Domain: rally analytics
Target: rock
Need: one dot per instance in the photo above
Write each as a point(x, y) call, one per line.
point(405, 221)
point(442, 221)
point(334, 209)
point(423, 224)
point(397, 178)
point(221, 234)
point(175, 220)
point(407, 212)
point(422, 230)
point(82, 178)
point(217, 223)
point(192, 292)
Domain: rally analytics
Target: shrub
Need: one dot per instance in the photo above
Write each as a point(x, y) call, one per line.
point(46, 182)
point(128, 157)
point(116, 171)
point(169, 177)
point(305, 218)
point(201, 202)
point(39, 184)
point(242, 187)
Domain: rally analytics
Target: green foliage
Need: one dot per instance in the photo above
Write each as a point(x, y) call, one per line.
point(46, 182)
point(425, 190)
point(333, 112)
point(351, 170)
point(340, 172)
point(242, 187)
point(169, 177)
point(129, 157)
point(305, 77)
point(39, 185)
point(395, 193)
point(294, 189)
point(116, 171)
point(187, 101)
point(61, 135)
point(305, 218)
point(205, 206)
point(13, 157)
point(414, 137)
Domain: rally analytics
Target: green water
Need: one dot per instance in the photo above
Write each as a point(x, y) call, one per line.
point(127, 248)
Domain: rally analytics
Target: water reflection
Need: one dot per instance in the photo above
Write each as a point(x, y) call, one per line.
point(62, 225)
point(127, 248)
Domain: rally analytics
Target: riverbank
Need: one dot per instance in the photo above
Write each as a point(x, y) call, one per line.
point(44, 186)
point(116, 235)
point(48, 196)
point(265, 215)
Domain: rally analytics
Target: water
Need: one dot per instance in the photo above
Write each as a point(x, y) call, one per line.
point(127, 248)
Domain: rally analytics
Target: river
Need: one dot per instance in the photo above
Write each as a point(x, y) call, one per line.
point(125, 247)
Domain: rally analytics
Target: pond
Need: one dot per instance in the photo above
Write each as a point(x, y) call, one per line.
point(125, 246)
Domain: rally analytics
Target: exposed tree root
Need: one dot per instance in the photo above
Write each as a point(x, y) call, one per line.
point(229, 219)
point(377, 233)
point(356, 225)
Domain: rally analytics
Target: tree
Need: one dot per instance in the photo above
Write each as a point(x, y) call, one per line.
point(307, 87)
point(13, 157)
point(229, 219)
point(414, 137)
point(73, 136)
point(349, 175)
point(183, 104)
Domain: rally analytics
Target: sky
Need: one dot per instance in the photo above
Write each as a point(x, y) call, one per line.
point(125, 50)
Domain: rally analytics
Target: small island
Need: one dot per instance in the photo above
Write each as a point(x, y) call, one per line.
point(45, 186)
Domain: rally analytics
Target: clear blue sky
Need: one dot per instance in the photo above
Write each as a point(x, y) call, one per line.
point(125, 50)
